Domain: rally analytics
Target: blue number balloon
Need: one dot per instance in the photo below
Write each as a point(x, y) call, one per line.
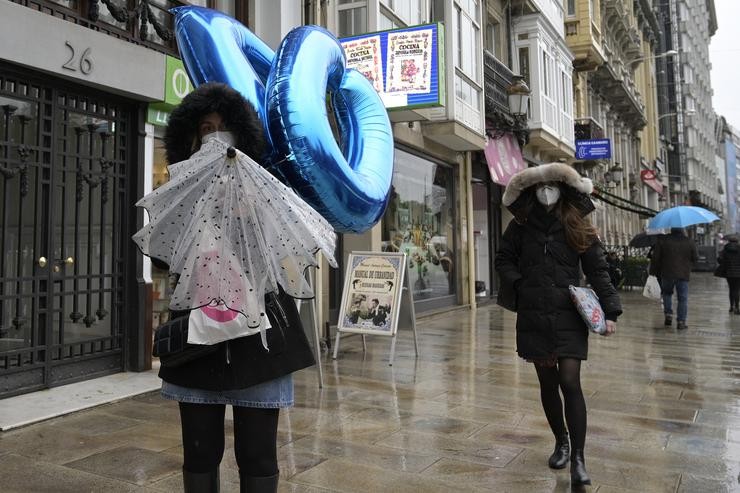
point(350, 185)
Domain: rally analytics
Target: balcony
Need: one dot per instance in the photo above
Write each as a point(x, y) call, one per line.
point(619, 90)
point(142, 22)
point(584, 40)
point(497, 78)
point(587, 129)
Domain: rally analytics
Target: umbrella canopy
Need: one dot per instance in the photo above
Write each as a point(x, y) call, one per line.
point(644, 240)
point(682, 216)
point(232, 232)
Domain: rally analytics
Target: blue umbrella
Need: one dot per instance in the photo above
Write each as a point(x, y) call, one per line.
point(682, 216)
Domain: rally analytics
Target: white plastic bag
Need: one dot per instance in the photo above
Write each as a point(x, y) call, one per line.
point(652, 288)
point(216, 323)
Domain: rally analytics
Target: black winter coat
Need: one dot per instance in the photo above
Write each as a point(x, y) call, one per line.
point(536, 260)
point(729, 259)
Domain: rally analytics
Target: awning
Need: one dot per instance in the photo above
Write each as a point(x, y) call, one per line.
point(504, 158)
point(650, 179)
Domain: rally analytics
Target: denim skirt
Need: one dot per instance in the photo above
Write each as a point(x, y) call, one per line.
point(274, 394)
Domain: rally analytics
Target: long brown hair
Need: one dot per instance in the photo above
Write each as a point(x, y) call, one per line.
point(579, 232)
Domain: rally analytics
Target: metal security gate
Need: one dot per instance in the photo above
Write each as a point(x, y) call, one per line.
point(64, 156)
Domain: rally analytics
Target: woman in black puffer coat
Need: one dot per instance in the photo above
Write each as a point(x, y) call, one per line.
point(542, 253)
point(729, 261)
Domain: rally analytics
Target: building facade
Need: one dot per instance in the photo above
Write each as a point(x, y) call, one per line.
point(75, 84)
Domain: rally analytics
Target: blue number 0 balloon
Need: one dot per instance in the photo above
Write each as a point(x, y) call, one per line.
point(348, 185)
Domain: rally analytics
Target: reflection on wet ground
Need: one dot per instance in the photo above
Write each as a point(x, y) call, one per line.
point(664, 415)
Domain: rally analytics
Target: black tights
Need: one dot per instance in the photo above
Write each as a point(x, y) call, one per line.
point(255, 438)
point(565, 377)
point(734, 284)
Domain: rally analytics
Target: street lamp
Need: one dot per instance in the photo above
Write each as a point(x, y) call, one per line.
point(686, 113)
point(653, 57)
point(518, 93)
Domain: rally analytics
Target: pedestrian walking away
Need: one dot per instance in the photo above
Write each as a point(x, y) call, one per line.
point(729, 268)
point(672, 260)
point(542, 253)
point(252, 373)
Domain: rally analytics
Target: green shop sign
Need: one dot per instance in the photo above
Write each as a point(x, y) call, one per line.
point(177, 85)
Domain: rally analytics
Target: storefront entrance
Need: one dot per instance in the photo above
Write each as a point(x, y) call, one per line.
point(65, 157)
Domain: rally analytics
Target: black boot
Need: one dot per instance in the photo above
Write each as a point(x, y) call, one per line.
point(559, 457)
point(256, 484)
point(578, 474)
point(200, 482)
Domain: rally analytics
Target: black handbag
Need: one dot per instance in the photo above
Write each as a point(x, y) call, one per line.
point(171, 344)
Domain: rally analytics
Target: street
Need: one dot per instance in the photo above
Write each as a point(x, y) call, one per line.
point(663, 416)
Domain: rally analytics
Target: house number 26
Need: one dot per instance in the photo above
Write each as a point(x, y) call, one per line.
point(84, 63)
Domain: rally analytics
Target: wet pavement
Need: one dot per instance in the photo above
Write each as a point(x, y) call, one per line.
point(664, 416)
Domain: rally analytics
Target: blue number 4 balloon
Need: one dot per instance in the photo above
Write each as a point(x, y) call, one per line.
point(348, 185)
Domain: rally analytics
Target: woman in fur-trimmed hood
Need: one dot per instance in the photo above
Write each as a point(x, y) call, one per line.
point(542, 253)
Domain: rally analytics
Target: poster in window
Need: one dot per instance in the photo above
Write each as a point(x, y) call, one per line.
point(364, 55)
point(409, 62)
point(372, 293)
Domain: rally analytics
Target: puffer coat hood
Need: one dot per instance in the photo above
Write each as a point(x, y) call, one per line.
point(239, 115)
point(519, 195)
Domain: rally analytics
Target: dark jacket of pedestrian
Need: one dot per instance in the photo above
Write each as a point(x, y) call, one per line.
point(673, 256)
point(537, 260)
point(729, 259)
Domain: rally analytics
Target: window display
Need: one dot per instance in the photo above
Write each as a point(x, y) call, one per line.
point(420, 222)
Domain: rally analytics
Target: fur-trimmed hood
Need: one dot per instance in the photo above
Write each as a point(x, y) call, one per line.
point(558, 172)
point(519, 195)
point(238, 114)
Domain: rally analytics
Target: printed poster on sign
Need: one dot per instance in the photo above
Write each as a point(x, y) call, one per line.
point(372, 293)
point(409, 62)
point(364, 55)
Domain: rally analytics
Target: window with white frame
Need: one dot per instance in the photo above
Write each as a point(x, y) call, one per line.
point(411, 12)
point(468, 34)
point(688, 74)
point(546, 70)
point(468, 83)
point(689, 104)
point(351, 17)
point(385, 23)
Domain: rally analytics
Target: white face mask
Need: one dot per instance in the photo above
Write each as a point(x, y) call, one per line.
point(548, 195)
point(227, 138)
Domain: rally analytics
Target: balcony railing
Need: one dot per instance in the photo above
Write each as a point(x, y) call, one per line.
point(142, 22)
point(497, 79)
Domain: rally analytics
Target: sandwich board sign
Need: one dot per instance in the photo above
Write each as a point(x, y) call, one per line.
point(376, 297)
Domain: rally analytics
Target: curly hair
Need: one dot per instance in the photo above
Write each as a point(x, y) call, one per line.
point(181, 136)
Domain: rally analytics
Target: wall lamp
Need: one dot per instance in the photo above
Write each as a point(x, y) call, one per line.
point(613, 175)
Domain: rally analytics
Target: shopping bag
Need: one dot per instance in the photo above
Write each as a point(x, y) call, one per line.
point(587, 304)
point(652, 288)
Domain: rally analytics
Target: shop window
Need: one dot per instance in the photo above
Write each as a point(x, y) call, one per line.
point(420, 221)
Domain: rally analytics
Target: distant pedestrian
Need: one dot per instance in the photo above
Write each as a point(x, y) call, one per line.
point(729, 268)
point(542, 252)
point(671, 263)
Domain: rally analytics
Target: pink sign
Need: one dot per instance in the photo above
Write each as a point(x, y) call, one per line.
point(504, 158)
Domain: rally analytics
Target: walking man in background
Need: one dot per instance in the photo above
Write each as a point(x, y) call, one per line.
point(671, 263)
